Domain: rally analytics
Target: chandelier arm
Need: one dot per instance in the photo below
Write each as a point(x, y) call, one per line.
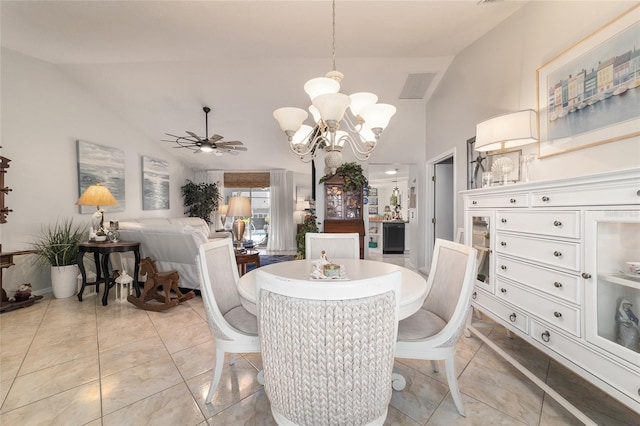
point(361, 155)
point(357, 145)
point(310, 146)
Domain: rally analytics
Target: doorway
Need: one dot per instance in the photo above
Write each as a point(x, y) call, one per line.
point(442, 206)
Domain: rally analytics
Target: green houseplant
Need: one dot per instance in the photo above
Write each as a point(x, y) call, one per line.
point(308, 225)
point(200, 199)
point(352, 175)
point(57, 246)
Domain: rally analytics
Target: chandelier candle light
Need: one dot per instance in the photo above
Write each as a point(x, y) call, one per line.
point(360, 117)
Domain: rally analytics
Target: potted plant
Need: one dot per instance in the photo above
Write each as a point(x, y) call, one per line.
point(308, 225)
point(352, 175)
point(200, 199)
point(57, 246)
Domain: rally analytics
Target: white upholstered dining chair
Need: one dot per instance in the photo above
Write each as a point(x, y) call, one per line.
point(433, 331)
point(234, 329)
point(328, 348)
point(335, 245)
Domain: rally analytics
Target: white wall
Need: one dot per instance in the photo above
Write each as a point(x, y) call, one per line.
point(497, 74)
point(44, 112)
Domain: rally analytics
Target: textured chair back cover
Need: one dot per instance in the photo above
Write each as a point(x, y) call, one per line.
point(336, 245)
point(328, 348)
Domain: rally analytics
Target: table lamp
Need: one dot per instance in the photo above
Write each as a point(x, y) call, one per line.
point(222, 211)
point(97, 195)
point(239, 208)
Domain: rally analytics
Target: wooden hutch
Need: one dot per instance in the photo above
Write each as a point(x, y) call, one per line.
point(343, 209)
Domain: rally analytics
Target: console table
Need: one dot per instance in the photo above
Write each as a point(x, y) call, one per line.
point(6, 260)
point(105, 249)
point(250, 256)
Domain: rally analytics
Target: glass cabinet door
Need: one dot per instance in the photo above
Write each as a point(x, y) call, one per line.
point(333, 202)
point(480, 239)
point(612, 281)
point(353, 205)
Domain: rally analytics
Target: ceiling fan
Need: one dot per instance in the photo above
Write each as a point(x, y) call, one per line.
point(213, 144)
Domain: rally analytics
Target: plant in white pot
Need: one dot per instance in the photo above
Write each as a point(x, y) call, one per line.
point(57, 246)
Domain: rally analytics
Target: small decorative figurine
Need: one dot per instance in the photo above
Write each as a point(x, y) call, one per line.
point(24, 292)
point(628, 334)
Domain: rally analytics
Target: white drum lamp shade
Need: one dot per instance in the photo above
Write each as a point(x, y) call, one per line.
point(507, 131)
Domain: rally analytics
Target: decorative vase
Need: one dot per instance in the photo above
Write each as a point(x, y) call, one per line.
point(64, 281)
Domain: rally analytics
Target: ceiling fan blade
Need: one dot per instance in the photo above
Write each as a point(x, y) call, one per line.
point(230, 143)
point(195, 136)
point(236, 148)
point(215, 138)
point(173, 136)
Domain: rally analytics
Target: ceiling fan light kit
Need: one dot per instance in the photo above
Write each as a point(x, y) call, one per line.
point(213, 144)
point(360, 117)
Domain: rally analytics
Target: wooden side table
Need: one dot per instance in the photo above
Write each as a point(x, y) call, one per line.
point(105, 249)
point(250, 256)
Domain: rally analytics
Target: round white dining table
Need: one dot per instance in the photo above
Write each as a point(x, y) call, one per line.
point(413, 289)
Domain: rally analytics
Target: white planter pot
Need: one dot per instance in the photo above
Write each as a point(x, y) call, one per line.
point(64, 281)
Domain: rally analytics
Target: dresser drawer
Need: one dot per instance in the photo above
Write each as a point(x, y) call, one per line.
point(554, 223)
point(558, 254)
point(623, 379)
point(562, 316)
point(595, 195)
point(515, 317)
point(510, 200)
point(555, 283)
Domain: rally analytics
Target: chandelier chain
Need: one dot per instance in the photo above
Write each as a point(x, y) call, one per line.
point(333, 45)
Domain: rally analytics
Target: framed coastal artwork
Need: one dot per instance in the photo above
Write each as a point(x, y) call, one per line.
point(101, 164)
point(155, 184)
point(590, 94)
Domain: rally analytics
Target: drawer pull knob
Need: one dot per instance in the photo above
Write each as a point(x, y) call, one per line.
point(503, 267)
point(503, 290)
point(586, 276)
point(474, 296)
point(474, 202)
point(557, 314)
point(503, 220)
point(557, 284)
point(545, 198)
point(512, 201)
point(557, 254)
point(513, 317)
point(557, 223)
point(503, 244)
point(545, 336)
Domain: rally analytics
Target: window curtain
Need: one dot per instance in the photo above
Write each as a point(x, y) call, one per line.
point(217, 177)
point(281, 227)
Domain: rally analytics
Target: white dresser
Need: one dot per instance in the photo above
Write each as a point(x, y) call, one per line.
point(551, 256)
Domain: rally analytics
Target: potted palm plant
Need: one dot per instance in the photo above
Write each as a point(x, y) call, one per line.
point(57, 246)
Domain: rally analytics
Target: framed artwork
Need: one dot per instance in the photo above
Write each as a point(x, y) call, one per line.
point(476, 164)
point(101, 164)
point(373, 210)
point(373, 191)
point(500, 162)
point(590, 94)
point(373, 200)
point(155, 184)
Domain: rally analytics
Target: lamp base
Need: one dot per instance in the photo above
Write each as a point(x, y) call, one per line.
point(238, 232)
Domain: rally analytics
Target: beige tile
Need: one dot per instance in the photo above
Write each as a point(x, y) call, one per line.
point(397, 418)
point(237, 382)
point(177, 310)
point(421, 396)
point(67, 349)
point(50, 381)
point(189, 336)
point(173, 406)
point(4, 390)
point(131, 355)
point(196, 360)
point(490, 379)
point(77, 406)
point(531, 358)
point(9, 366)
point(128, 386)
point(109, 338)
point(48, 337)
point(254, 410)
point(593, 402)
point(177, 321)
point(477, 413)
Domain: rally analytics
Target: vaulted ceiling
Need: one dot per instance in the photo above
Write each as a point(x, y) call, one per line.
point(155, 64)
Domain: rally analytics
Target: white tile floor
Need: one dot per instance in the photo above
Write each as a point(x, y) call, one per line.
point(64, 362)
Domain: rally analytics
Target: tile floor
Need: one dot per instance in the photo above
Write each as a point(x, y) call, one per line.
point(64, 362)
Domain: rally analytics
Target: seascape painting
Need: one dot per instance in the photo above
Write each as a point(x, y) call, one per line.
point(101, 164)
point(155, 184)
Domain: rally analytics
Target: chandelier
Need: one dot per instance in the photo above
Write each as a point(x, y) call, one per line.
point(357, 119)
